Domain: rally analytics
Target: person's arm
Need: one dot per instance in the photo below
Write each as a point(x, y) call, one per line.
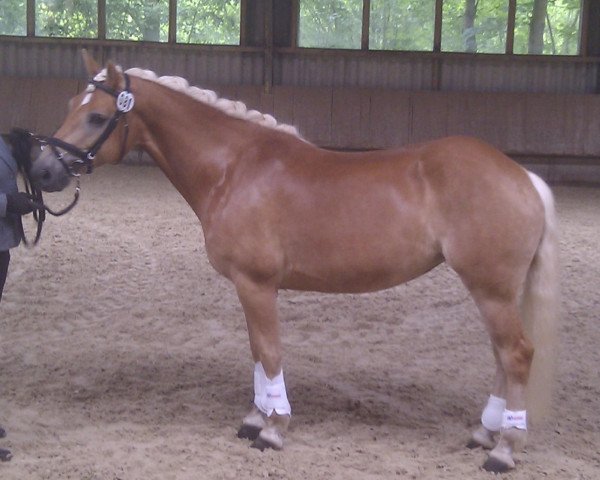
point(3, 202)
point(19, 203)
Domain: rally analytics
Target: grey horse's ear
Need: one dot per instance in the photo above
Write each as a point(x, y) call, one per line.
point(90, 64)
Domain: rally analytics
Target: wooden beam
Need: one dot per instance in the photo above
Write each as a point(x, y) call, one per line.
point(295, 23)
point(366, 18)
point(436, 65)
point(30, 18)
point(584, 28)
point(243, 22)
point(172, 35)
point(510, 27)
point(268, 58)
point(102, 19)
point(437, 28)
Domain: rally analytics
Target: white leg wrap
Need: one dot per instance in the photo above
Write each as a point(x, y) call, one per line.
point(492, 415)
point(514, 419)
point(270, 394)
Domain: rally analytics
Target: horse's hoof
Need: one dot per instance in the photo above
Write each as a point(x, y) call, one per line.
point(496, 466)
point(262, 444)
point(472, 444)
point(249, 432)
point(2, 433)
point(5, 455)
point(482, 437)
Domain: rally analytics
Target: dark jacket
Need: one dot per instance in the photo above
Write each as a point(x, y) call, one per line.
point(10, 224)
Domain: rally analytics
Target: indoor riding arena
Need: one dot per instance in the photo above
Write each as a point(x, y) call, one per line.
point(125, 355)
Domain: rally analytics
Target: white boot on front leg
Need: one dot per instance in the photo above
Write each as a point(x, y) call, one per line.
point(270, 398)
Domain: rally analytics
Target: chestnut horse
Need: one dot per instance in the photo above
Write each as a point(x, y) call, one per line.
point(280, 213)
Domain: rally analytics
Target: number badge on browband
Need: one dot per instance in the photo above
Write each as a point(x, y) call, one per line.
point(125, 101)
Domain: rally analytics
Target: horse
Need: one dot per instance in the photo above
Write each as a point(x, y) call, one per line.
point(278, 212)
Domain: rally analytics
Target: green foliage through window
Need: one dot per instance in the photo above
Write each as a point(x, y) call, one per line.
point(330, 23)
point(474, 26)
point(208, 21)
point(401, 24)
point(542, 27)
point(13, 17)
point(548, 27)
point(146, 20)
point(66, 18)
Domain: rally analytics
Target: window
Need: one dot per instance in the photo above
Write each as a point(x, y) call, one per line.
point(475, 26)
point(401, 25)
point(541, 27)
point(330, 23)
point(208, 21)
point(13, 17)
point(66, 18)
point(549, 27)
point(146, 20)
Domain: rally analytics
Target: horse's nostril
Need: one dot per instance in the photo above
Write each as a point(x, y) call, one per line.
point(46, 174)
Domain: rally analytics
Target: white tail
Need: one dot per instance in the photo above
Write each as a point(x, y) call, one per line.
point(541, 309)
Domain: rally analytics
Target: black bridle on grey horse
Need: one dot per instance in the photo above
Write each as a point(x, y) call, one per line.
point(22, 140)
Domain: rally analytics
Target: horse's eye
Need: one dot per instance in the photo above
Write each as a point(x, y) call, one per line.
point(96, 119)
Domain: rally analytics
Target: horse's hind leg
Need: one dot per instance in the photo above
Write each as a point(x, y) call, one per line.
point(514, 353)
point(491, 417)
point(269, 418)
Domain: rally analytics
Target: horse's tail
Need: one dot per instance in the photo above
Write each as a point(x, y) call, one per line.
point(540, 309)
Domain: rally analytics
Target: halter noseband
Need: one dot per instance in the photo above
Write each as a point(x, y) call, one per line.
point(124, 104)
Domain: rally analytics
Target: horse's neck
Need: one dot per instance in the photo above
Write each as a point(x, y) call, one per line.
point(192, 143)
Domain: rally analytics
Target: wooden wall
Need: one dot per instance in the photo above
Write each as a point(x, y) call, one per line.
point(365, 118)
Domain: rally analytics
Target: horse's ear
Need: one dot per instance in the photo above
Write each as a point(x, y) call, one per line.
point(113, 77)
point(90, 64)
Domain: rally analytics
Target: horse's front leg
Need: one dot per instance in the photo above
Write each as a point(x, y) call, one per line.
point(270, 415)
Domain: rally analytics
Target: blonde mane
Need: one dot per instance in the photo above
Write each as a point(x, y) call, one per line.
point(234, 108)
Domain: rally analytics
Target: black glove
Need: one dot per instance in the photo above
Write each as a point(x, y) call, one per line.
point(19, 203)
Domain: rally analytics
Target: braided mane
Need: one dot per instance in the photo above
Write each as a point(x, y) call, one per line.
point(234, 108)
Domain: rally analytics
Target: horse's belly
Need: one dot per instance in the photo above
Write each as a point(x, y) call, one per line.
point(359, 272)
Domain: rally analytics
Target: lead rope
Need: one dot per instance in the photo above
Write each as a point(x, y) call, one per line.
point(21, 141)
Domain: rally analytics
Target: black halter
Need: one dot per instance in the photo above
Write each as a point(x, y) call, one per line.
point(124, 104)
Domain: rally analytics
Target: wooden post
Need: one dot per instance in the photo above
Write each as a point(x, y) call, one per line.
point(30, 12)
point(436, 67)
point(172, 36)
point(268, 57)
point(510, 27)
point(102, 19)
point(366, 19)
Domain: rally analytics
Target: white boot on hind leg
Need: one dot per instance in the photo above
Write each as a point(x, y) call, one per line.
point(512, 438)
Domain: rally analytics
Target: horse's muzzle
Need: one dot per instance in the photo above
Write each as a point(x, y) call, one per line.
point(48, 173)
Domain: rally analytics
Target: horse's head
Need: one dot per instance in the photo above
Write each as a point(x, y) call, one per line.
point(94, 132)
